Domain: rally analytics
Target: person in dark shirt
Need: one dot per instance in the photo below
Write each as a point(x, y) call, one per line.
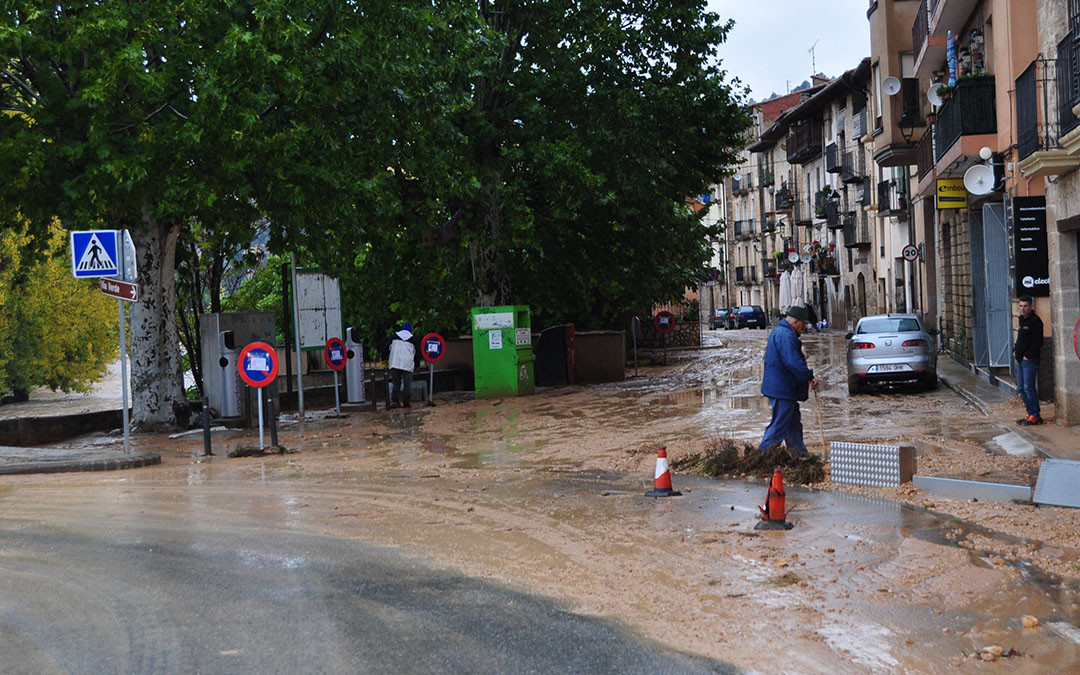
point(1026, 351)
point(786, 381)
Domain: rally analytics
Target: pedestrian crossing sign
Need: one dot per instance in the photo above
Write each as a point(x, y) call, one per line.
point(94, 254)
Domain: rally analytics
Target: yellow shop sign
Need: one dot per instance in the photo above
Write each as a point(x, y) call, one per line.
point(951, 194)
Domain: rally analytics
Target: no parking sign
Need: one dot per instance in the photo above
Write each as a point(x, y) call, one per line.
point(258, 364)
point(664, 321)
point(336, 356)
point(432, 347)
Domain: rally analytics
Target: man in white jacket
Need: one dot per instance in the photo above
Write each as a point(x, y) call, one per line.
point(402, 361)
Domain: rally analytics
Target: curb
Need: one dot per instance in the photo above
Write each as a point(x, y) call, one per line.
point(132, 461)
point(965, 394)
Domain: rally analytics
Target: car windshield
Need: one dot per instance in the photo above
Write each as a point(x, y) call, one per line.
point(889, 324)
point(747, 309)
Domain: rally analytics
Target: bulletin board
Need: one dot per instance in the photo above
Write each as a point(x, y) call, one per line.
point(318, 304)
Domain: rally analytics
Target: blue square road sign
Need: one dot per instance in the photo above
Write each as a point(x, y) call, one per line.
point(94, 254)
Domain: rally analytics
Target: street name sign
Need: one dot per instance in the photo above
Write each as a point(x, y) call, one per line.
point(120, 290)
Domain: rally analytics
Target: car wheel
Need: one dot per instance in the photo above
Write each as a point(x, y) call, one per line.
point(853, 387)
point(931, 383)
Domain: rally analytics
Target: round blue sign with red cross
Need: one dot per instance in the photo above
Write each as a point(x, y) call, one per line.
point(432, 347)
point(258, 364)
point(664, 321)
point(336, 355)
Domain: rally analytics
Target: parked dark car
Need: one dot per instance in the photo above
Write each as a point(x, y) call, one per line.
point(721, 318)
point(750, 316)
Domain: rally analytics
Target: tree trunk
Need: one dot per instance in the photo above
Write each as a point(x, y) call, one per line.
point(157, 393)
point(491, 283)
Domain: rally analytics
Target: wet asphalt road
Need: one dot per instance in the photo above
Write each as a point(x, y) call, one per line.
point(148, 599)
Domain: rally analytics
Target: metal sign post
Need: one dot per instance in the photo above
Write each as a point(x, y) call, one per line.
point(336, 358)
point(258, 365)
point(432, 348)
point(110, 253)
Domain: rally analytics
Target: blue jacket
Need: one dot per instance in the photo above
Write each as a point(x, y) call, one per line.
point(786, 373)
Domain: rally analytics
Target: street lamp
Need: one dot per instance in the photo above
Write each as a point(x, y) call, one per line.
point(907, 126)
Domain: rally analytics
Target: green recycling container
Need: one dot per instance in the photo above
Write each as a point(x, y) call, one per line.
point(502, 351)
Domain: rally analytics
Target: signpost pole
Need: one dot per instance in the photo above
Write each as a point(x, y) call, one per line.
point(337, 397)
point(123, 373)
point(299, 354)
point(261, 445)
point(431, 384)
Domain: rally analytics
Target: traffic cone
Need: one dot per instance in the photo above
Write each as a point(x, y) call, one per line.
point(773, 514)
point(662, 480)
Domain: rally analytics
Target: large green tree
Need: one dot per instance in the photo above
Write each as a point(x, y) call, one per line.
point(150, 116)
point(592, 126)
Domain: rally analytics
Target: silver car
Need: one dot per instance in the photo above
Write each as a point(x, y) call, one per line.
point(893, 349)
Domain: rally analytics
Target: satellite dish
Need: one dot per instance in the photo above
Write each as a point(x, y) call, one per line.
point(932, 94)
point(979, 179)
point(793, 257)
point(804, 258)
point(891, 86)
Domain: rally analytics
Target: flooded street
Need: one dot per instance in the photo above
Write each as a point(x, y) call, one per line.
point(544, 495)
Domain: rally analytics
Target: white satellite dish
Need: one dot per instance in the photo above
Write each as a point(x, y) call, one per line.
point(979, 179)
point(891, 86)
point(804, 258)
point(932, 94)
point(793, 257)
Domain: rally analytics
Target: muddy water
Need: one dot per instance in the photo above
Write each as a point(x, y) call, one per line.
point(545, 493)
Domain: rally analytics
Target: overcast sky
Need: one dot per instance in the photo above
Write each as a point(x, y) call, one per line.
point(769, 47)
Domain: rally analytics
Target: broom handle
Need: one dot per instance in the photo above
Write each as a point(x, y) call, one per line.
point(821, 430)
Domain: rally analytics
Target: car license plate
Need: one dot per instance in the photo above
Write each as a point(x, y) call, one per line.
point(888, 368)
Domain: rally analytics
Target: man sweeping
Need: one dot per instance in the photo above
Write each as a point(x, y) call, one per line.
point(787, 380)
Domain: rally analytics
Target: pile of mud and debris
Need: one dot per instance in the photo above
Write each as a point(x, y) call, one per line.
point(725, 458)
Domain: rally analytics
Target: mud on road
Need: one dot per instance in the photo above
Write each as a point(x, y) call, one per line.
point(545, 494)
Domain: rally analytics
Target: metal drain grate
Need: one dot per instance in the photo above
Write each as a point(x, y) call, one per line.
point(1057, 484)
point(871, 465)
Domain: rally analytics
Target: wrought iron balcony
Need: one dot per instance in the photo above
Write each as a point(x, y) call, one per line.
point(891, 198)
point(783, 198)
point(920, 30)
point(853, 165)
point(746, 275)
point(856, 230)
point(804, 143)
point(970, 111)
point(859, 124)
point(863, 194)
point(1044, 101)
point(832, 158)
point(765, 176)
point(1068, 81)
point(744, 229)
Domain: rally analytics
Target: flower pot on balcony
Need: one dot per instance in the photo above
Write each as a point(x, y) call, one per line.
point(932, 118)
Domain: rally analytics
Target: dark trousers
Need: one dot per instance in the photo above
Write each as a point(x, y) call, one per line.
point(1027, 373)
point(784, 427)
point(401, 386)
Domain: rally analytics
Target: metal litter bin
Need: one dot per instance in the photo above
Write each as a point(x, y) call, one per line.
point(228, 361)
point(354, 367)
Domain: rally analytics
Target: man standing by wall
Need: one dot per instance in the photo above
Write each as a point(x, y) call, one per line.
point(402, 362)
point(787, 380)
point(1028, 348)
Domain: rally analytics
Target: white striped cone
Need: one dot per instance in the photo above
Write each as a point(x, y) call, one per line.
point(662, 477)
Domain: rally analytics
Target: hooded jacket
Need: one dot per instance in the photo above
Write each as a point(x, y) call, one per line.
point(402, 351)
point(786, 373)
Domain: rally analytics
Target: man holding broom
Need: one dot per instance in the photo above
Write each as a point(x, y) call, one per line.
point(787, 380)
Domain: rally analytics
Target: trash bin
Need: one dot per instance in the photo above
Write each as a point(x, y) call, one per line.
point(503, 357)
point(354, 367)
point(228, 360)
point(555, 361)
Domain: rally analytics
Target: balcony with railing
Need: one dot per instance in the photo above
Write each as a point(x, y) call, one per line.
point(970, 112)
point(891, 198)
point(783, 198)
point(853, 165)
point(1044, 117)
point(832, 158)
point(744, 229)
point(737, 186)
point(924, 154)
point(863, 192)
point(856, 230)
point(804, 143)
point(765, 176)
point(803, 212)
point(860, 124)
point(746, 275)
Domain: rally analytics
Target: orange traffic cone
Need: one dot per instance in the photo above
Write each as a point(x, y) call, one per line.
point(773, 514)
point(662, 480)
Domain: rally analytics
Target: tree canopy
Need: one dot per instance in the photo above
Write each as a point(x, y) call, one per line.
point(431, 155)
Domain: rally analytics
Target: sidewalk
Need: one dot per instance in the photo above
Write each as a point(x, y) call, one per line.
point(1003, 407)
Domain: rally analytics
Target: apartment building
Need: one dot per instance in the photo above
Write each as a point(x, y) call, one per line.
point(961, 90)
